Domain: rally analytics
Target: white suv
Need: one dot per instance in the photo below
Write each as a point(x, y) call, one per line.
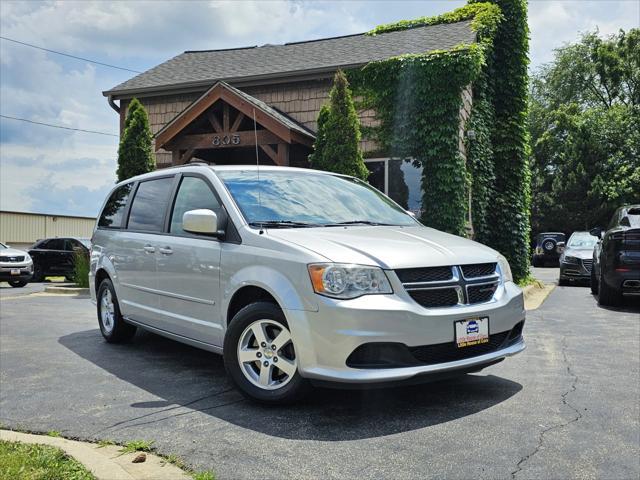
point(16, 266)
point(298, 276)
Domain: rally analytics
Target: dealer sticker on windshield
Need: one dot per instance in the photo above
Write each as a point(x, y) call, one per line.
point(472, 331)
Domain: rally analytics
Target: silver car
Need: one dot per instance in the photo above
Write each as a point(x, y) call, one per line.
point(298, 277)
point(577, 258)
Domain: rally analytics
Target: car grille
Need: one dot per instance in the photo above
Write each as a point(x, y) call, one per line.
point(437, 297)
point(588, 264)
point(478, 270)
point(447, 286)
point(11, 259)
point(430, 274)
point(481, 293)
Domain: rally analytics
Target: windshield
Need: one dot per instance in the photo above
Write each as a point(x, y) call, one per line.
point(2, 245)
point(582, 240)
point(297, 199)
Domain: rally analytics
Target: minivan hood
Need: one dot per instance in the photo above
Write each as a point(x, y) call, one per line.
point(389, 247)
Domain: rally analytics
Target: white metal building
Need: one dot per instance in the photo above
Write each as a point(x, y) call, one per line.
point(21, 230)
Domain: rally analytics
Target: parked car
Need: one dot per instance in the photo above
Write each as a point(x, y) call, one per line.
point(56, 256)
point(296, 277)
point(577, 258)
point(616, 257)
point(548, 248)
point(16, 266)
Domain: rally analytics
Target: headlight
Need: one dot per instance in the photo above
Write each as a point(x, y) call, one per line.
point(340, 280)
point(505, 269)
point(570, 259)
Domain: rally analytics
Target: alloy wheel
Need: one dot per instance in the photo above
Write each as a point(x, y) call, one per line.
point(107, 311)
point(266, 354)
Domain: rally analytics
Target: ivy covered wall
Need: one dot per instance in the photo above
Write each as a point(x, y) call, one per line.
point(418, 100)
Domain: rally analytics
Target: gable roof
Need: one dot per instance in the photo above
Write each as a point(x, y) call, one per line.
point(202, 68)
point(279, 123)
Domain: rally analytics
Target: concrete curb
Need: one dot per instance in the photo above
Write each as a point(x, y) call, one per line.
point(534, 295)
point(66, 290)
point(105, 463)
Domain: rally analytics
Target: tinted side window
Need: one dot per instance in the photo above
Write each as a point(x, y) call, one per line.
point(150, 204)
point(194, 193)
point(114, 208)
point(54, 244)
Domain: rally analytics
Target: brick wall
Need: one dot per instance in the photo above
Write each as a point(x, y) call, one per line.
point(300, 100)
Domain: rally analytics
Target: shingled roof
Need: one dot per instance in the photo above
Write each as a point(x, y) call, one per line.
point(204, 68)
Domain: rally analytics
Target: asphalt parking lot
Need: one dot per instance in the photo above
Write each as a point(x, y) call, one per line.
point(568, 407)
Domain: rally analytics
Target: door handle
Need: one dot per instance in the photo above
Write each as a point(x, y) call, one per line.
point(149, 248)
point(165, 251)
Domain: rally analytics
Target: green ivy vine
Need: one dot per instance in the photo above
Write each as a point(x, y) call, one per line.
point(417, 99)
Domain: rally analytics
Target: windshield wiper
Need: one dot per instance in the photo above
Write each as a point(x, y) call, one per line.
point(357, 222)
point(281, 224)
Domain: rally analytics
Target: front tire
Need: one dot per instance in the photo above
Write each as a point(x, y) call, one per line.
point(38, 275)
point(260, 356)
point(113, 327)
point(17, 283)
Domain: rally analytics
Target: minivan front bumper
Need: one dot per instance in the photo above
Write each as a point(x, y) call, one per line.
point(326, 339)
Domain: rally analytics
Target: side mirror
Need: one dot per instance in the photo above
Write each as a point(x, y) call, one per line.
point(596, 232)
point(560, 247)
point(203, 221)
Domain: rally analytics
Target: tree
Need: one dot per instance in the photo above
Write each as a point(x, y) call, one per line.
point(337, 146)
point(135, 156)
point(584, 121)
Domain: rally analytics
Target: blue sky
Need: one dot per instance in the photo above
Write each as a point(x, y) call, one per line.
point(57, 171)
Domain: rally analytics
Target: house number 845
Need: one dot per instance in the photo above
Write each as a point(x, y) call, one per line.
point(226, 140)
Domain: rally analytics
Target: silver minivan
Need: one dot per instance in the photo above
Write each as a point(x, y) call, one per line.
point(298, 277)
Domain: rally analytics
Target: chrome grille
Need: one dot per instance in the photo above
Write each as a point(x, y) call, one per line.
point(448, 286)
point(588, 264)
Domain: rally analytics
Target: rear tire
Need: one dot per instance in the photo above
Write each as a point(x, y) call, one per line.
point(253, 333)
point(608, 296)
point(17, 283)
point(113, 327)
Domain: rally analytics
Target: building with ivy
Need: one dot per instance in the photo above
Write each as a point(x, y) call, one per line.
point(441, 102)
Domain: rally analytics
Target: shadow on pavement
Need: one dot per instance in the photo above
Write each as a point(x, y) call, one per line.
point(192, 378)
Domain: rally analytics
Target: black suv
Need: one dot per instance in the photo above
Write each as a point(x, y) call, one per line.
point(56, 256)
point(616, 257)
point(548, 248)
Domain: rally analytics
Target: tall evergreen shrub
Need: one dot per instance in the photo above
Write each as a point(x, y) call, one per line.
point(337, 146)
point(135, 155)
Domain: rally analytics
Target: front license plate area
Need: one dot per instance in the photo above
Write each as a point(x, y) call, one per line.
point(472, 331)
point(15, 271)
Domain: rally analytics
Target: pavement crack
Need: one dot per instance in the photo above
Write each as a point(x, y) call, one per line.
point(563, 397)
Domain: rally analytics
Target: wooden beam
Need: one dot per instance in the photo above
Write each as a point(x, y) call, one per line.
point(214, 122)
point(270, 152)
point(236, 122)
point(223, 140)
point(186, 156)
point(188, 115)
point(283, 155)
point(225, 117)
